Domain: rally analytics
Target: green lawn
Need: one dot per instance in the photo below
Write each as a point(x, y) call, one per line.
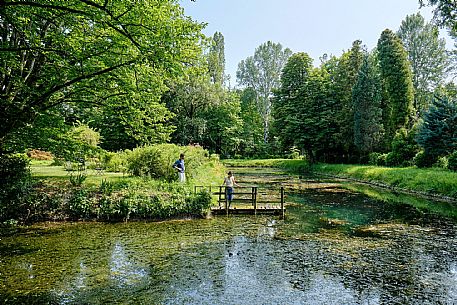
point(44, 170)
point(209, 174)
point(297, 166)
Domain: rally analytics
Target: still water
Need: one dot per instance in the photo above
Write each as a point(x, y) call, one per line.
point(335, 247)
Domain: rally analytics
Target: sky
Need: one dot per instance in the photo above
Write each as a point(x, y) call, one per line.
point(316, 27)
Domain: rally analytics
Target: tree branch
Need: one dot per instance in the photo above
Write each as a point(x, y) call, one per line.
point(35, 4)
point(55, 89)
point(120, 29)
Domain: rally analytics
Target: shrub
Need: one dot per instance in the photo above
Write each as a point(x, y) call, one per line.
point(115, 162)
point(156, 161)
point(294, 153)
point(437, 133)
point(200, 202)
point(36, 154)
point(373, 158)
point(79, 205)
point(452, 161)
point(442, 163)
point(78, 179)
point(378, 159)
point(158, 203)
point(404, 149)
point(16, 186)
point(148, 161)
point(78, 142)
point(423, 160)
point(393, 159)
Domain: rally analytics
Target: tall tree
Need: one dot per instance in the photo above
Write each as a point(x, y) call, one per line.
point(78, 53)
point(315, 116)
point(251, 143)
point(366, 96)
point(294, 76)
point(343, 74)
point(262, 72)
point(216, 59)
point(397, 81)
point(189, 100)
point(304, 108)
point(427, 55)
point(224, 125)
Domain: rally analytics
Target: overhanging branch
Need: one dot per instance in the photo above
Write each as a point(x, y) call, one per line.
point(55, 89)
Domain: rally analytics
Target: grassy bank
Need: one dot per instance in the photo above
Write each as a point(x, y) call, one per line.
point(443, 208)
point(427, 181)
point(294, 166)
point(54, 193)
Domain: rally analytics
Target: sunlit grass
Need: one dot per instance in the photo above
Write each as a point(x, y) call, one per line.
point(208, 174)
point(45, 170)
point(432, 180)
point(288, 164)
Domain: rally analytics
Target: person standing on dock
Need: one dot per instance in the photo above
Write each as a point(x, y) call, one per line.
point(180, 168)
point(229, 182)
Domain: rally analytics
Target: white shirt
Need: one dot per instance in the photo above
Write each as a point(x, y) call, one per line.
point(229, 181)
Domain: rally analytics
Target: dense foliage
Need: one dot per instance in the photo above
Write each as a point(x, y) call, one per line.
point(397, 83)
point(110, 57)
point(427, 55)
point(111, 201)
point(367, 97)
point(75, 197)
point(15, 181)
point(261, 72)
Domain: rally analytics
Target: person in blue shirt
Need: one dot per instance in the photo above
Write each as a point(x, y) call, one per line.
point(180, 168)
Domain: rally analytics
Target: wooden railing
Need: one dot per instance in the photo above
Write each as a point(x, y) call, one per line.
point(251, 197)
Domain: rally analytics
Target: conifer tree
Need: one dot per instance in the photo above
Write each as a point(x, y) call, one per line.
point(366, 97)
point(344, 77)
point(287, 99)
point(397, 83)
point(437, 134)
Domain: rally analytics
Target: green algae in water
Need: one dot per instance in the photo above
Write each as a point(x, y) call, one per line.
point(314, 256)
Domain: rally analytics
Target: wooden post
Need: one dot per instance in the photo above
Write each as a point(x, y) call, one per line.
point(226, 202)
point(252, 196)
point(220, 196)
point(255, 200)
point(282, 202)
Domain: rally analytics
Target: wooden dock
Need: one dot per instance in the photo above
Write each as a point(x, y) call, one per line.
point(248, 200)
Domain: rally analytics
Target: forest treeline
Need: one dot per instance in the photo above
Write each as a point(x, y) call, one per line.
point(79, 78)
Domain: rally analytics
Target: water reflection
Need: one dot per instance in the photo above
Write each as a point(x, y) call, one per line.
point(123, 271)
point(323, 289)
point(69, 292)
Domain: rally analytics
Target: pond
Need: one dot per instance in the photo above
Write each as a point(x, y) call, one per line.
point(335, 246)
